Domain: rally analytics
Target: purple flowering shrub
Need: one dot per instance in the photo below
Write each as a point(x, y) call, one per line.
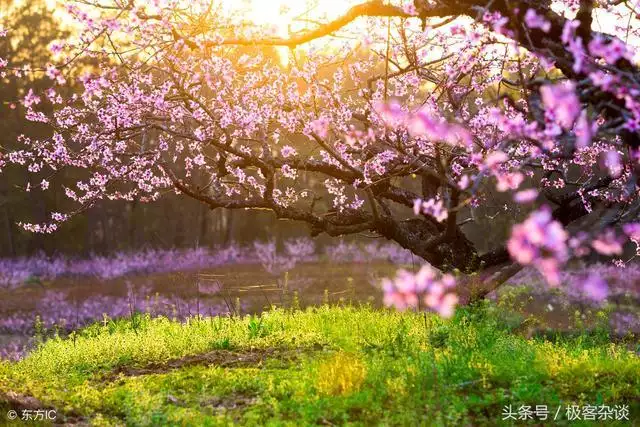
point(58, 313)
point(17, 271)
point(12, 351)
point(590, 284)
point(351, 252)
point(62, 311)
point(14, 272)
point(275, 263)
point(57, 309)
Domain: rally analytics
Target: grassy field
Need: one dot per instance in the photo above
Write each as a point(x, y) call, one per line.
point(328, 365)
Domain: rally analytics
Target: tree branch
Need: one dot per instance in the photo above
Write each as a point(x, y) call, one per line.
point(371, 8)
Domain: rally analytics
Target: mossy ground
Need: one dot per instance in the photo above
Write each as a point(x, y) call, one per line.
point(327, 365)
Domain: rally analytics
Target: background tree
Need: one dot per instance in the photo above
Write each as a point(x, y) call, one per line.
point(35, 33)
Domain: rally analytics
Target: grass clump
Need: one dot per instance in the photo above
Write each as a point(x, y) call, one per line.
point(328, 364)
point(342, 374)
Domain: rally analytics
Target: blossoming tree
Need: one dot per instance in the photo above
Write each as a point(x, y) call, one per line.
point(423, 115)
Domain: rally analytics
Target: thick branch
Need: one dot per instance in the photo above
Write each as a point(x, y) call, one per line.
point(372, 8)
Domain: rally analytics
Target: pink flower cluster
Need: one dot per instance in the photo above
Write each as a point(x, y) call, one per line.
point(432, 207)
point(561, 103)
point(408, 290)
point(608, 244)
point(3, 62)
point(611, 51)
point(542, 242)
point(425, 123)
point(533, 20)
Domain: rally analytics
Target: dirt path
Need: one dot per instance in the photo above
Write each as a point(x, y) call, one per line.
point(221, 358)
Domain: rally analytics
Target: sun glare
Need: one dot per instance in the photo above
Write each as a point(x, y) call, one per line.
point(282, 18)
point(286, 16)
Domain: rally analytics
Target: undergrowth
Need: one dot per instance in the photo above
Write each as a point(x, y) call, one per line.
point(353, 365)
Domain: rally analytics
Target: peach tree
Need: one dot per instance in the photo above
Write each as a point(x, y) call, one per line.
point(404, 119)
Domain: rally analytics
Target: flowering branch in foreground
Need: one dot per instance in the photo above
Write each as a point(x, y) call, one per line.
point(427, 288)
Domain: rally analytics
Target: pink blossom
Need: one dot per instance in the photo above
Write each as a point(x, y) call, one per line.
point(199, 160)
point(561, 102)
point(56, 47)
point(613, 162)
point(607, 244)
point(59, 217)
point(401, 293)
point(432, 207)
point(541, 242)
point(603, 80)
point(574, 44)
point(509, 181)
point(31, 99)
point(464, 182)
point(427, 125)
point(378, 165)
point(320, 127)
point(533, 20)
point(289, 172)
point(526, 196)
point(633, 125)
point(497, 21)
point(54, 74)
point(408, 289)
point(440, 298)
point(584, 130)
point(391, 113)
point(410, 9)
point(611, 51)
point(288, 151)
point(495, 158)
point(632, 230)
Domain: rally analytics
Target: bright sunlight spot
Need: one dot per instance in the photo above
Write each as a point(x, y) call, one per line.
point(282, 18)
point(287, 16)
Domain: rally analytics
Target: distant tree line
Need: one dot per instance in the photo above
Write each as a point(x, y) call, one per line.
point(174, 221)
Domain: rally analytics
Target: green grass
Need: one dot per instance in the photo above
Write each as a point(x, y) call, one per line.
point(357, 366)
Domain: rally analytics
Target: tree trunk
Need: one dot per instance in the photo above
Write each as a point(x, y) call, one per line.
point(204, 225)
point(132, 224)
point(228, 232)
point(11, 249)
